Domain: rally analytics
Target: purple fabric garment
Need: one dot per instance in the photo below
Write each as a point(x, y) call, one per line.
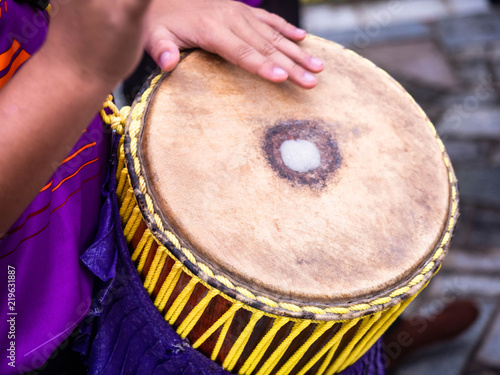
point(22, 23)
point(252, 3)
point(125, 333)
point(52, 287)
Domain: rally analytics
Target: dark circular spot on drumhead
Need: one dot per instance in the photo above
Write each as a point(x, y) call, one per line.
point(308, 130)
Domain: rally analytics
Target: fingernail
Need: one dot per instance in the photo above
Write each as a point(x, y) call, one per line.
point(302, 31)
point(309, 77)
point(278, 72)
point(316, 62)
point(164, 58)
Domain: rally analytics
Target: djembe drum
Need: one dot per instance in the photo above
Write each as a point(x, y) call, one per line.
point(282, 230)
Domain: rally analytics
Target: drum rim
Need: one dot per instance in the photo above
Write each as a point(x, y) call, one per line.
point(320, 312)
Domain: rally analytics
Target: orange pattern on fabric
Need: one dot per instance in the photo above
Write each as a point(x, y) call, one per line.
point(50, 216)
point(78, 151)
point(33, 214)
point(74, 174)
point(46, 186)
point(6, 57)
point(20, 59)
point(68, 159)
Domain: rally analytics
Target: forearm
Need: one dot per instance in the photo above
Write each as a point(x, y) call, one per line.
point(43, 110)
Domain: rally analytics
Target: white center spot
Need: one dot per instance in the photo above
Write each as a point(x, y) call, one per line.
point(300, 155)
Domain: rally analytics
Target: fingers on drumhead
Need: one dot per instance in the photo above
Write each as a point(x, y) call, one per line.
point(163, 50)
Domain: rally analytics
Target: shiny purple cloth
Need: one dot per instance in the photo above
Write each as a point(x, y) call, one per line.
point(53, 289)
point(252, 3)
point(125, 333)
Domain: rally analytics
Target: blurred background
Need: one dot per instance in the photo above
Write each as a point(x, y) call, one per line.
point(446, 53)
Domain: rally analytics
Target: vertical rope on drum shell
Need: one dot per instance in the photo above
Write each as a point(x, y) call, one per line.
point(235, 352)
point(132, 224)
point(318, 332)
point(393, 313)
point(144, 254)
point(366, 324)
point(362, 346)
point(214, 327)
point(259, 351)
point(121, 158)
point(121, 197)
point(159, 269)
point(121, 181)
point(168, 286)
point(155, 269)
point(194, 316)
point(180, 302)
point(329, 349)
point(275, 357)
point(127, 205)
point(146, 235)
point(222, 337)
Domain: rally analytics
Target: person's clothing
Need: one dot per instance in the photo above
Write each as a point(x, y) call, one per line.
point(287, 9)
point(63, 361)
point(252, 3)
point(51, 289)
point(22, 32)
point(126, 334)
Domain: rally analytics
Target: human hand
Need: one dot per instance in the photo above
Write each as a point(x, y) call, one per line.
point(258, 41)
point(88, 37)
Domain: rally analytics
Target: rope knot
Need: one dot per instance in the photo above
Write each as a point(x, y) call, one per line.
point(117, 119)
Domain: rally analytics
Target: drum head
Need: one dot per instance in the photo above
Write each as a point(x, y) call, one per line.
point(360, 224)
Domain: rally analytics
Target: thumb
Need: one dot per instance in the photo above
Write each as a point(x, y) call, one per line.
point(161, 47)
